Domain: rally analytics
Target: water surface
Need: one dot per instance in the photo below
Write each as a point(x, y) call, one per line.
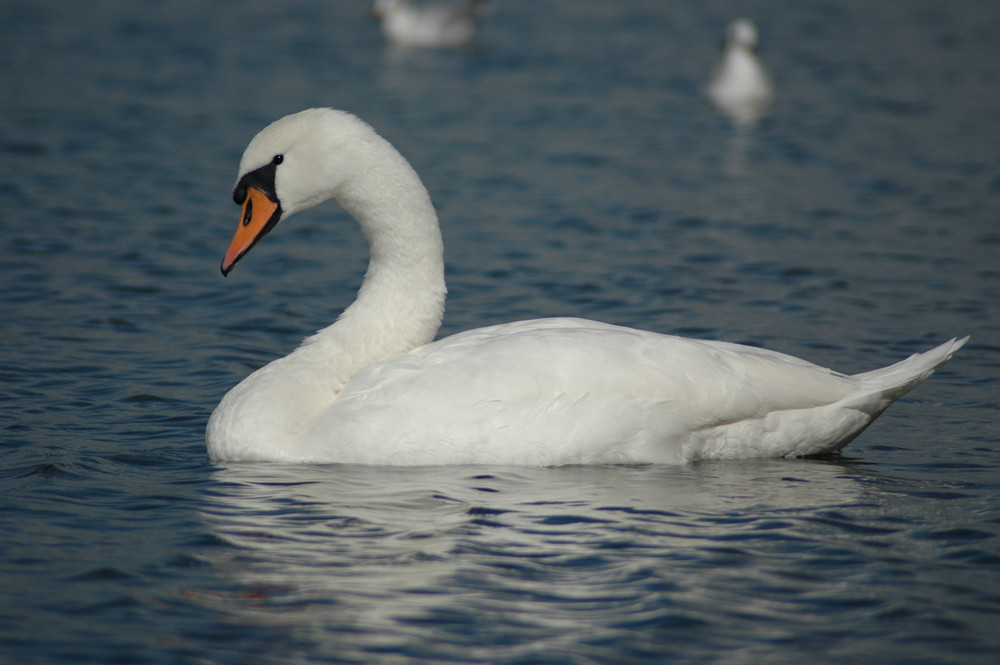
point(577, 171)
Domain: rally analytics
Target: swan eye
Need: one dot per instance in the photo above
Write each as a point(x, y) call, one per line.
point(278, 159)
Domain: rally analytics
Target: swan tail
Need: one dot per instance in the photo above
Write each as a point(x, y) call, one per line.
point(896, 380)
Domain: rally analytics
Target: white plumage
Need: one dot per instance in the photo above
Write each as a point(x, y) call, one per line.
point(437, 25)
point(372, 388)
point(740, 86)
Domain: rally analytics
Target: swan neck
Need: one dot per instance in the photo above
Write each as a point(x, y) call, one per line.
point(400, 304)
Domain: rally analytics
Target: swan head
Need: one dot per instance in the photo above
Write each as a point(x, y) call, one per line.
point(293, 164)
point(742, 33)
point(380, 8)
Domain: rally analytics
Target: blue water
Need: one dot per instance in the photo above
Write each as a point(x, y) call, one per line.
point(577, 172)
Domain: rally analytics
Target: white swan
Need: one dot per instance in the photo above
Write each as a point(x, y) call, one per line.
point(439, 25)
point(740, 87)
point(372, 388)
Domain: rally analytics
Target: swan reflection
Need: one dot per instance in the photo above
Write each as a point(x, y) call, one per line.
point(374, 553)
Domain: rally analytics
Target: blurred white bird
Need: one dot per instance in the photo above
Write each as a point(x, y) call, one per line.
point(741, 87)
point(440, 25)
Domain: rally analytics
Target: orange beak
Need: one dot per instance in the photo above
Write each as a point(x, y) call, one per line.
point(259, 215)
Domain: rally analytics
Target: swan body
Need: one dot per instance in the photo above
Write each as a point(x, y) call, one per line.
point(373, 388)
point(439, 25)
point(740, 86)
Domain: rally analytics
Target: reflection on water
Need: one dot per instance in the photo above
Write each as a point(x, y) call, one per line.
point(749, 204)
point(374, 552)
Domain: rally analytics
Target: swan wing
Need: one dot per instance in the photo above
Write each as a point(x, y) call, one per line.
point(556, 391)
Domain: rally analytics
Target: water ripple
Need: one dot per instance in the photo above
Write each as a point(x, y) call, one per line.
point(577, 171)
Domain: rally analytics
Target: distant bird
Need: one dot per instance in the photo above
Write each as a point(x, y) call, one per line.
point(741, 87)
point(440, 25)
point(373, 388)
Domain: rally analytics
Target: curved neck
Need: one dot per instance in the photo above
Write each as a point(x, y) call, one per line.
point(399, 306)
point(401, 302)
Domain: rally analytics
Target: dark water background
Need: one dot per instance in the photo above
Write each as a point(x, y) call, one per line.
point(577, 172)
